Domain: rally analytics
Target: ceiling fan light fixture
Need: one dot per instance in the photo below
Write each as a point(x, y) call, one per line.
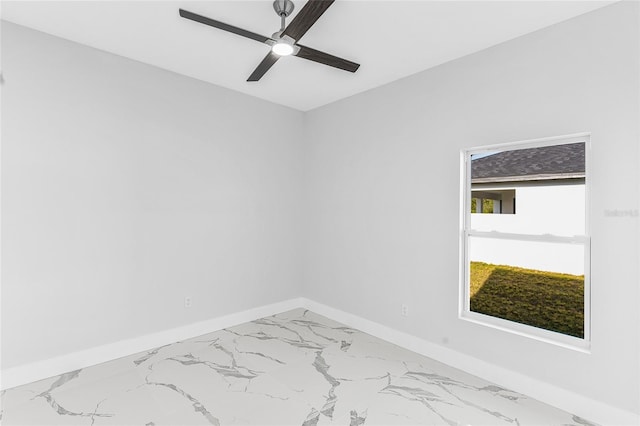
point(282, 48)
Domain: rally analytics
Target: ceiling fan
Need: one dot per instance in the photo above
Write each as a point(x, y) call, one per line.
point(284, 42)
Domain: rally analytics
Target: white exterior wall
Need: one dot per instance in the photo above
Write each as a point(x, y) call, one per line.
point(556, 210)
point(553, 257)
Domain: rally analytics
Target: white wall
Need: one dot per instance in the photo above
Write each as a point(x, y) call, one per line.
point(551, 209)
point(126, 188)
point(565, 258)
point(381, 165)
point(540, 209)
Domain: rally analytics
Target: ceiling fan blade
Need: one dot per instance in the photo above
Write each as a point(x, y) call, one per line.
point(326, 59)
point(222, 26)
point(264, 66)
point(307, 16)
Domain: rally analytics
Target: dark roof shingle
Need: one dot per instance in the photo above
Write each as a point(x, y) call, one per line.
point(548, 162)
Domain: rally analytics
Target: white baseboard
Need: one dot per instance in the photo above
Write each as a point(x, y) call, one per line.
point(558, 397)
point(569, 401)
point(32, 372)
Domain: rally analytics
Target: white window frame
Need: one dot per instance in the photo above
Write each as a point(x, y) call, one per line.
point(465, 313)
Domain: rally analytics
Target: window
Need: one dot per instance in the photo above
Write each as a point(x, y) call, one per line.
point(526, 269)
point(502, 201)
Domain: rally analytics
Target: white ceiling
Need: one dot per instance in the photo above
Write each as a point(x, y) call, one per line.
point(390, 39)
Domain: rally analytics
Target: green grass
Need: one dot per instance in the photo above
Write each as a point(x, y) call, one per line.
point(541, 299)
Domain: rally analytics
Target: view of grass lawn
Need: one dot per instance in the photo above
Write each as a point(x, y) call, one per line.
point(541, 299)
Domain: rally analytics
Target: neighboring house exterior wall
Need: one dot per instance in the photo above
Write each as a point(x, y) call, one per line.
point(541, 208)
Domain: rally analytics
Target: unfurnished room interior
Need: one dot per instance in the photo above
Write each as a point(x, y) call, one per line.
point(319, 212)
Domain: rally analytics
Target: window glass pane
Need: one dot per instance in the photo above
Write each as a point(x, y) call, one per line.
point(529, 191)
point(540, 284)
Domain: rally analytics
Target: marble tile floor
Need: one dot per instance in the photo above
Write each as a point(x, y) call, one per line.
point(295, 368)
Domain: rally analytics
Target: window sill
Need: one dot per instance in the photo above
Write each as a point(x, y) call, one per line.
point(539, 334)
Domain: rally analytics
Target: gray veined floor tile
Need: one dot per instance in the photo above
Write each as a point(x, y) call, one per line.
point(295, 368)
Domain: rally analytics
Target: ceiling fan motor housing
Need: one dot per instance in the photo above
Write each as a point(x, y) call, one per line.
point(283, 7)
